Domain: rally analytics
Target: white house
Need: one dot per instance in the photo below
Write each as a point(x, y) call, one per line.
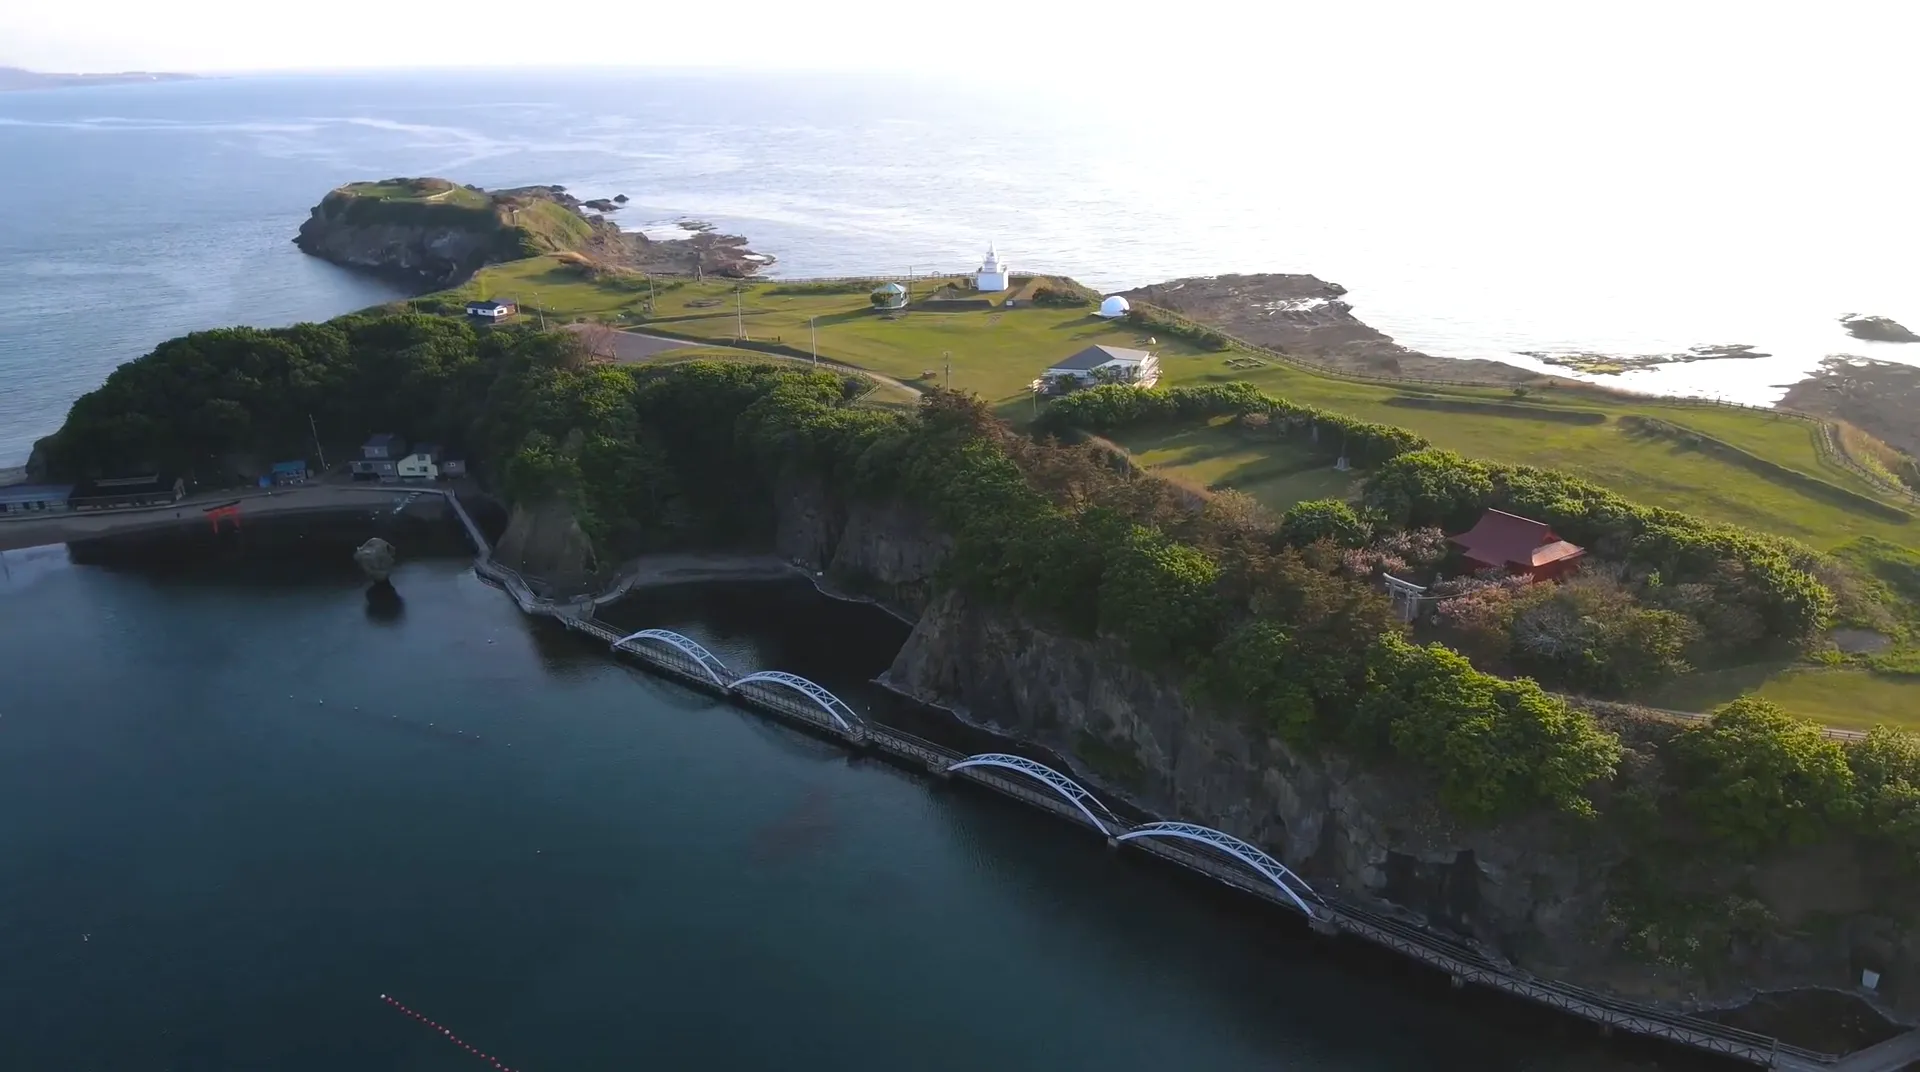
point(1103, 364)
point(491, 311)
point(889, 296)
point(1114, 307)
point(994, 273)
point(419, 465)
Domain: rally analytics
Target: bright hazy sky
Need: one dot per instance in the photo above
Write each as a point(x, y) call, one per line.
point(1487, 48)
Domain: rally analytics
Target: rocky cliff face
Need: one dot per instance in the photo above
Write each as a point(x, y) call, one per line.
point(546, 542)
point(1535, 890)
point(881, 550)
point(424, 254)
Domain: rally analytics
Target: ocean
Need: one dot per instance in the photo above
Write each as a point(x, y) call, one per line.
point(242, 805)
point(132, 214)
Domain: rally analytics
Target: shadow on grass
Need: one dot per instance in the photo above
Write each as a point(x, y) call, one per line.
point(1705, 690)
point(1686, 440)
point(1486, 407)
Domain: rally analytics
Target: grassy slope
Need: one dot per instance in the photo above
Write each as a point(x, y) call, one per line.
point(531, 226)
point(1647, 469)
point(996, 354)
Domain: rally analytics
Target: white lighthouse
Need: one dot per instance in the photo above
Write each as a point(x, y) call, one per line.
point(993, 272)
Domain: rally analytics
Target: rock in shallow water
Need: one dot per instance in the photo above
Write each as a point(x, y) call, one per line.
point(376, 558)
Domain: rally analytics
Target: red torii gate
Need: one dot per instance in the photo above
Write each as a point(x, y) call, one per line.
point(224, 512)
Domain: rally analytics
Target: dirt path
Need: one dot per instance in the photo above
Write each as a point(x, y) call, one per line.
point(646, 346)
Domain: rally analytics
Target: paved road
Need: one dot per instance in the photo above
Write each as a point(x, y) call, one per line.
point(633, 346)
point(311, 498)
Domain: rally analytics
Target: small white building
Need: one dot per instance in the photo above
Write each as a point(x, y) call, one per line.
point(1103, 364)
point(994, 274)
point(889, 296)
point(491, 311)
point(420, 464)
point(1114, 307)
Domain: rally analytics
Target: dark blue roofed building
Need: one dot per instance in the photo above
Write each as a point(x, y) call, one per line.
point(379, 457)
point(384, 445)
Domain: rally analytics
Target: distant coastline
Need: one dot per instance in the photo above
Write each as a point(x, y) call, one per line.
point(19, 78)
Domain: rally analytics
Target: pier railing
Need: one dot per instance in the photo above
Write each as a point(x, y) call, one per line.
point(1463, 961)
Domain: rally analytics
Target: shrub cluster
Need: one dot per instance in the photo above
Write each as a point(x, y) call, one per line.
point(1060, 297)
point(1743, 574)
point(1160, 322)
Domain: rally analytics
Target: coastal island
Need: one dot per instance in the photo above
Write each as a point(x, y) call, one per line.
point(18, 78)
point(1223, 560)
point(431, 232)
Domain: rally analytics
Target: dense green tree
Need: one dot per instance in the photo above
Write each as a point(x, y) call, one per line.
point(1886, 772)
point(1498, 746)
point(1322, 519)
point(1757, 777)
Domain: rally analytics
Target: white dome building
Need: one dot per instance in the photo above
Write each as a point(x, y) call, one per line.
point(1114, 307)
point(889, 296)
point(994, 274)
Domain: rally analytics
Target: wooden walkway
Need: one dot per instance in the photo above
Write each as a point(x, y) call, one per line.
point(1462, 961)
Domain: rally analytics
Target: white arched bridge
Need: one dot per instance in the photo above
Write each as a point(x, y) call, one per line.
point(1206, 849)
point(790, 693)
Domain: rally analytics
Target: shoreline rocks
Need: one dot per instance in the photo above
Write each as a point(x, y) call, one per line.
point(1877, 329)
point(1304, 315)
point(1598, 364)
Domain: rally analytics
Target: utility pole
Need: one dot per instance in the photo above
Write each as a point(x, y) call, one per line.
point(815, 333)
point(316, 442)
point(650, 294)
point(739, 315)
point(947, 356)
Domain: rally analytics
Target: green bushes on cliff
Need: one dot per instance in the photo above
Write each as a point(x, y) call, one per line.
point(1263, 618)
point(1161, 322)
point(1502, 746)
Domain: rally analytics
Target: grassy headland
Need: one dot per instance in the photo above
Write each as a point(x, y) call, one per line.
point(1761, 471)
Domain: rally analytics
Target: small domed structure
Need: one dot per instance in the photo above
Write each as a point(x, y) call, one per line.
point(889, 296)
point(1114, 307)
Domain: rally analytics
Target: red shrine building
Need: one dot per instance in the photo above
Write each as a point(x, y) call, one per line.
point(1521, 547)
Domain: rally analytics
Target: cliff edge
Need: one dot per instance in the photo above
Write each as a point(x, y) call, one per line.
point(434, 233)
point(1552, 895)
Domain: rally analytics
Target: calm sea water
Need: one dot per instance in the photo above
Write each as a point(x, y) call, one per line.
point(135, 213)
point(237, 806)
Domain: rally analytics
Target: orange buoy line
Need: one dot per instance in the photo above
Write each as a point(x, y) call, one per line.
point(449, 1035)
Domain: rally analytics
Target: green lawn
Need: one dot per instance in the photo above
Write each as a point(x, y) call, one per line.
point(1211, 456)
point(995, 353)
point(1541, 429)
point(561, 293)
point(424, 190)
point(884, 394)
point(1847, 697)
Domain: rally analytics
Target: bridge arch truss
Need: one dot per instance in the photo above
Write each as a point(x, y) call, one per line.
point(708, 661)
point(1076, 794)
point(1251, 855)
point(845, 718)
